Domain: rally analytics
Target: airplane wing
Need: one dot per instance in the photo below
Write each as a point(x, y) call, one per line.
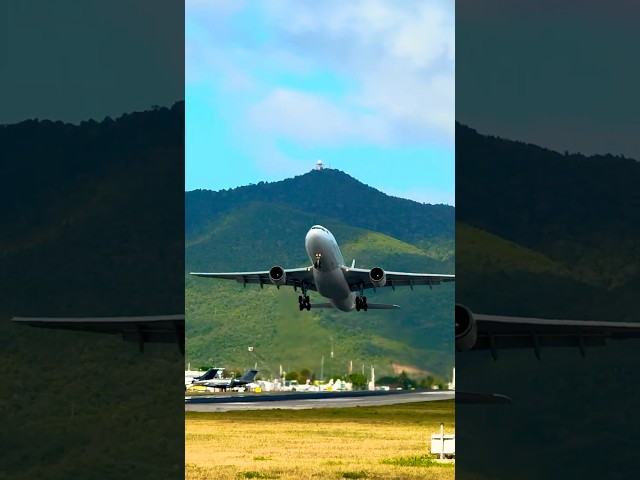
point(359, 278)
point(294, 277)
point(496, 332)
point(486, 398)
point(145, 329)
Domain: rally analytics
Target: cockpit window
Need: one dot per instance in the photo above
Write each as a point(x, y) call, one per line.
point(318, 227)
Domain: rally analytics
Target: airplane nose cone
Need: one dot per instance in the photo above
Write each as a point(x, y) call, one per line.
point(311, 240)
point(314, 243)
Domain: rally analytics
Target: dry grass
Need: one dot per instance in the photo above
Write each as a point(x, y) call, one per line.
point(315, 444)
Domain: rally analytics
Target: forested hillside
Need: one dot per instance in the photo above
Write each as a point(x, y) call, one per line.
point(554, 235)
point(580, 212)
point(258, 226)
point(92, 225)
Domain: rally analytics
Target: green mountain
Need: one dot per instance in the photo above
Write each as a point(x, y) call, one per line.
point(485, 252)
point(501, 277)
point(540, 233)
point(577, 210)
point(552, 226)
point(92, 225)
point(84, 200)
point(329, 193)
point(256, 227)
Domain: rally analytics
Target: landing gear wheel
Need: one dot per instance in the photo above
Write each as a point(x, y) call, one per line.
point(364, 304)
point(358, 304)
point(304, 302)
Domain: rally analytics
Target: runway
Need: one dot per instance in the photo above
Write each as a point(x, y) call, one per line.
point(299, 401)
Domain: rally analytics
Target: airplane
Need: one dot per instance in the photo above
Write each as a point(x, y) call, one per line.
point(472, 331)
point(210, 374)
point(343, 286)
point(492, 332)
point(226, 383)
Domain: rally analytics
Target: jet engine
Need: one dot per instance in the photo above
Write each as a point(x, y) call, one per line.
point(378, 277)
point(466, 329)
point(277, 275)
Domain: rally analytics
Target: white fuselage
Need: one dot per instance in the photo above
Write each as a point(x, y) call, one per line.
point(328, 274)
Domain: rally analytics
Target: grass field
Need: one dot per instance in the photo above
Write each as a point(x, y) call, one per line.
point(388, 442)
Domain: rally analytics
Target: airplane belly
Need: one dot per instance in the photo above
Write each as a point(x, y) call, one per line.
point(331, 284)
point(345, 304)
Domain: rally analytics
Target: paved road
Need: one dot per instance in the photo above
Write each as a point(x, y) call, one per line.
point(299, 401)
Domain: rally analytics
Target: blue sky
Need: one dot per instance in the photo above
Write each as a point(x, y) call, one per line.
point(562, 75)
point(74, 61)
point(366, 86)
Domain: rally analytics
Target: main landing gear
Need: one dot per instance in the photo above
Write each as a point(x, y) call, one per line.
point(361, 303)
point(304, 302)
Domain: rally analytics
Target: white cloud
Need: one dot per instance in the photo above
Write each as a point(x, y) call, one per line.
point(400, 54)
point(309, 118)
point(398, 57)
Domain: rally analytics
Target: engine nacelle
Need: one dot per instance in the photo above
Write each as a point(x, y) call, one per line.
point(378, 277)
point(466, 329)
point(277, 275)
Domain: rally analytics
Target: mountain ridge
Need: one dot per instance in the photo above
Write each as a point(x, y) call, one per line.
point(351, 202)
point(258, 226)
point(577, 211)
point(91, 225)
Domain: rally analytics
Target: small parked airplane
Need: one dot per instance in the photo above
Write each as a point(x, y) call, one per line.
point(210, 374)
point(225, 383)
